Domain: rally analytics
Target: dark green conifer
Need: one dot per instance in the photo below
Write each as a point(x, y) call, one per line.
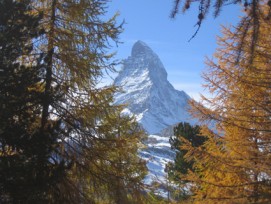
point(25, 166)
point(180, 166)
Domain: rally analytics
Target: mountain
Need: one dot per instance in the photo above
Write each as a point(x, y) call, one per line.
point(147, 92)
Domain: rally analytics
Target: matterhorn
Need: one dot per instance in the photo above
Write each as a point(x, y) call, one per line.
point(147, 92)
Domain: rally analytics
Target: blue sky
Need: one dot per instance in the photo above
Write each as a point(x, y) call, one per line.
point(148, 20)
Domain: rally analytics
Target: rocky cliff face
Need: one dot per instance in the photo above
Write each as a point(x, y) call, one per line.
point(148, 93)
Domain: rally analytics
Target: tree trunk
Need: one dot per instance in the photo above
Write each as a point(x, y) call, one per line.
point(49, 67)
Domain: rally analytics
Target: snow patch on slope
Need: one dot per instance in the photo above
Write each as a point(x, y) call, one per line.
point(157, 154)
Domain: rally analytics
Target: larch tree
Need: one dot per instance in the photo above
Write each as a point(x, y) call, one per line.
point(76, 44)
point(233, 165)
point(68, 144)
point(123, 169)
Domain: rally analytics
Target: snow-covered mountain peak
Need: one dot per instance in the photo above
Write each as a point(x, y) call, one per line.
point(143, 63)
point(148, 93)
point(140, 48)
